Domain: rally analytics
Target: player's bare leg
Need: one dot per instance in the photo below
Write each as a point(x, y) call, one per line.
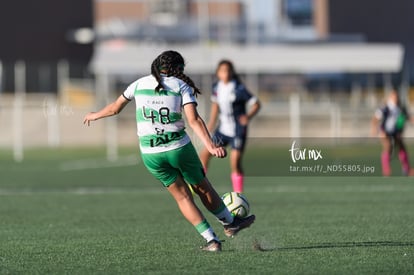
point(182, 195)
point(386, 156)
point(185, 201)
point(208, 195)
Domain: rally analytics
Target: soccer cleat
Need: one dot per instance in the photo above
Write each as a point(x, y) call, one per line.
point(238, 224)
point(212, 246)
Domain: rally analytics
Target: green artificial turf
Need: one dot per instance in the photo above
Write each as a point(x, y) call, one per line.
point(59, 216)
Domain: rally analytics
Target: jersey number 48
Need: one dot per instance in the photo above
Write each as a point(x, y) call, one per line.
point(162, 116)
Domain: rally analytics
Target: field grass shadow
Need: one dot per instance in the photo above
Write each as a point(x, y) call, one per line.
point(257, 246)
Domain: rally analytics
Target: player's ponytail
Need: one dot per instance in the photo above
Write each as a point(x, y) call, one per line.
point(179, 74)
point(171, 63)
point(155, 71)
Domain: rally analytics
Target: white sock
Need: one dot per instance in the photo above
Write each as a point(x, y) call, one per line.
point(209, 235)
point(223, 215)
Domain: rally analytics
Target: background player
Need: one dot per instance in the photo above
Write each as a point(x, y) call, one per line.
point(229, 101)
point(388, 122)
point(166, 149)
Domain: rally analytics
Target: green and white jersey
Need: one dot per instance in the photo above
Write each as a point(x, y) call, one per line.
point(159, 114)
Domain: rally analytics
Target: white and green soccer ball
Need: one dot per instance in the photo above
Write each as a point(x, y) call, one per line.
point(237, 204)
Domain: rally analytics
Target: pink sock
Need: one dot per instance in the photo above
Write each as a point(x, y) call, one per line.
point(403, 156)
point(385, 161)
point(237, 180)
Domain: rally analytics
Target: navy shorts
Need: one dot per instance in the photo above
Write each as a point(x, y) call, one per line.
point(236, 142)
point(392, 134)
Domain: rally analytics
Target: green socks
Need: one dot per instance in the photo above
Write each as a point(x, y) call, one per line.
point(206, 231)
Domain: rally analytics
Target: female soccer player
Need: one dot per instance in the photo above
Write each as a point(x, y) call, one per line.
point(166, 149)
point(388, 122)
point(229, 101)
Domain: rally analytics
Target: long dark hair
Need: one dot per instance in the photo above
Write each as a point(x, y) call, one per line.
point(171, 63)
point(233, 74)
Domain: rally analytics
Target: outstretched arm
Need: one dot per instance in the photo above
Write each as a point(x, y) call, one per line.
point(109, 110)
point(199, 127)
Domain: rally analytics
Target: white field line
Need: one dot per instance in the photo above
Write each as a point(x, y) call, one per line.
point(333, 189)
point(99, 163)
point(155, 190)
point(78, 191)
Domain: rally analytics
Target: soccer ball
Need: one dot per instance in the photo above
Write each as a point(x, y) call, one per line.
point(237, 204)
